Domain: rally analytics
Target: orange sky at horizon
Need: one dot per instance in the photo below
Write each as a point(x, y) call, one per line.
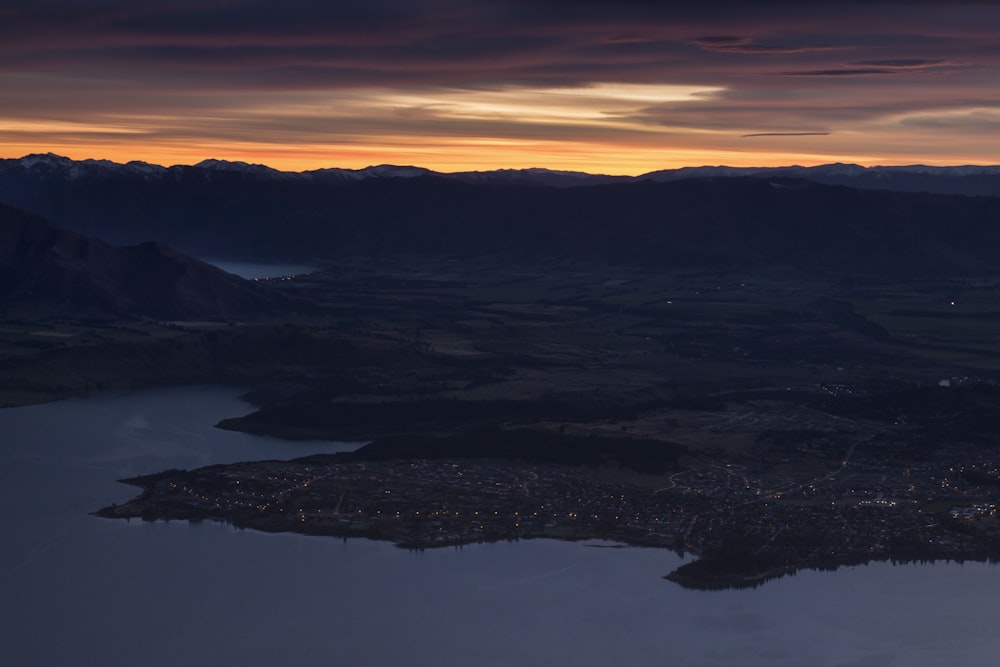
point(451, 154)
point(615, 160)
point(620, 89)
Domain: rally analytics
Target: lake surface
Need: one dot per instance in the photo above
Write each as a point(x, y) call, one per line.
point(252, 270)
point(79, 590)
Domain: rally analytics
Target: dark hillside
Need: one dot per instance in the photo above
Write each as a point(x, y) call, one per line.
point(44, 266)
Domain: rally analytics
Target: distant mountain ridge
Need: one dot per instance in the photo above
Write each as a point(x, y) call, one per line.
point(964, 180)
point(703, 217)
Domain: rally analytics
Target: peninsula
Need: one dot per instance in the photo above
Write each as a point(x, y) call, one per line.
point(830, 495)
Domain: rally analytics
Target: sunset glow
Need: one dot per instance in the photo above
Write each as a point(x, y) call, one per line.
point(613, 88)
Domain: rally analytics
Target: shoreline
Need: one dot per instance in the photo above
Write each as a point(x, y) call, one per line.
point(424, 504)
point(733, 581)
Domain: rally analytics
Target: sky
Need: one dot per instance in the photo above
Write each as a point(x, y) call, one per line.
point(616, 87)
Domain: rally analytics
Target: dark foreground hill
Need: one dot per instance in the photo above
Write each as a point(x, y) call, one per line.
point(44, 267)
point(740, 222)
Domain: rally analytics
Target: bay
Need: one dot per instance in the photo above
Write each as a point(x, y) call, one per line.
point(80, 590)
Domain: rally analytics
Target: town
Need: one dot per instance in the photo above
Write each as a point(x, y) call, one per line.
point(747, 523)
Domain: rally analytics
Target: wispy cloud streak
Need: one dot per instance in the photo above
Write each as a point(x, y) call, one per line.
point(590, 84)
point(787, 134)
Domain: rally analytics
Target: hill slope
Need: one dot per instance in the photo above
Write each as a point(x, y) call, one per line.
point(42, 265)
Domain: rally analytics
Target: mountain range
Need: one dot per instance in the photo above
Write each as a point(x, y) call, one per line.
point(711, 216)
point(966, 180)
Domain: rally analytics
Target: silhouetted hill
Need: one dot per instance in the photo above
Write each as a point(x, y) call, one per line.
point(968, 180)
point(44, 266)
point(236, 210)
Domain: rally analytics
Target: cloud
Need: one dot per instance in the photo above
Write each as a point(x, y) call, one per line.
point(879, 66)
point(732, 44)
point(720, 40)
point(786, 134)
point(976, 121)
point(241, 72)
point(846, 71)
point(903, 63)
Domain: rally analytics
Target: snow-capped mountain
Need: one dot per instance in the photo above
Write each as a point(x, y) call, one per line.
point(241, 167)
point(887, 219)
point(966, 179)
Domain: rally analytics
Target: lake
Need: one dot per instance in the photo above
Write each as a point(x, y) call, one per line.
point(258, 270)
point(79, 590)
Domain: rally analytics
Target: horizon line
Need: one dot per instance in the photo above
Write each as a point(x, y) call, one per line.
point(500, 169)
